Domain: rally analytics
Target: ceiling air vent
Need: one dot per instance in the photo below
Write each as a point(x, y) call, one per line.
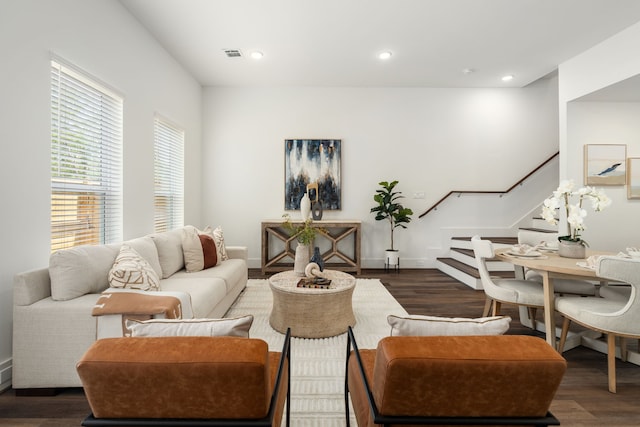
point(233, 53)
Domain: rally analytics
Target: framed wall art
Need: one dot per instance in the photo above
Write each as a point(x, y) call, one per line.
point(633, 178)
point(605, 164)
point(308, 161)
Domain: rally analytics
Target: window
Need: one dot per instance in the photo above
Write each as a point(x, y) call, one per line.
point(169, 175)
point(86, 160)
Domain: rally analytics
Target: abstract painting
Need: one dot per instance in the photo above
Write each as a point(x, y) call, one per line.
point(308, 161)
point(633, 178)
point(605, 164)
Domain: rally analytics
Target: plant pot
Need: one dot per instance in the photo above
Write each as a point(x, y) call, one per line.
point(392, 257)
point(301, 259)
point(571, 249)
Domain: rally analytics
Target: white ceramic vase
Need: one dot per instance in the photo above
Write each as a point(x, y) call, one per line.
point(569, 249)
point(305, 207)
point(301, 260)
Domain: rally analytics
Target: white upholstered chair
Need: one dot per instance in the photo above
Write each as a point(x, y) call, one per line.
point(616, 291)
point(560, 286)
point(519, 292)
point(615, 317)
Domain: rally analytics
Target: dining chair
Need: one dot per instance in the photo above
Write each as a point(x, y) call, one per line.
point(520, 292)
point(560, 286)
point(615, 317)
point(619, 291)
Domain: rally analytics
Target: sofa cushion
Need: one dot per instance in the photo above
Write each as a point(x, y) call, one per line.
point(231, 271)
point(170, 255)
point(81, 270)
point(417, 325)
point(230, 327)
point(132, 271)
point(147, 250)
point(205, 292)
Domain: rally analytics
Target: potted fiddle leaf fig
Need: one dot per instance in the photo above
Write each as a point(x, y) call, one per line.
point(389, 209)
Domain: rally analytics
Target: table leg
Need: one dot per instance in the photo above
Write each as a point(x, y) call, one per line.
point(549, 309)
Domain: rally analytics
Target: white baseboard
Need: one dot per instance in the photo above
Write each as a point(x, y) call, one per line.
point(5, 374)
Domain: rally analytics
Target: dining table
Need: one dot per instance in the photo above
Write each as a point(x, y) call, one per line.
point(552, 266)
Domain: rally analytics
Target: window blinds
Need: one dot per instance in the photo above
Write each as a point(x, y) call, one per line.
point(169, 175)
point(86, 160)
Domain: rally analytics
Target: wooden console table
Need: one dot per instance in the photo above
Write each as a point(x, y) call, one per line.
point(340, 248)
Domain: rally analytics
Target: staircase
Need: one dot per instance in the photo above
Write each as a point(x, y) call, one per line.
point(461, 263)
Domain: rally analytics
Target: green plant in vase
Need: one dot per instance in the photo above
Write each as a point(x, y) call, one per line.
point(305, 233)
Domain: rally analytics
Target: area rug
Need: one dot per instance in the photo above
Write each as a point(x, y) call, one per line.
point(318, 365)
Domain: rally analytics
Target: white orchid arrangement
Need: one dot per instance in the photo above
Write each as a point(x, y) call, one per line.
point(574, 212)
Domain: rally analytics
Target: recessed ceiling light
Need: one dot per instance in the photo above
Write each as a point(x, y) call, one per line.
point(507, 78)
point(468, 71)
point(256, 54)
point(385, 55)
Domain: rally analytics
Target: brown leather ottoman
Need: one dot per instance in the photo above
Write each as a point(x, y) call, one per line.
point(451, 376)
point(181, 378)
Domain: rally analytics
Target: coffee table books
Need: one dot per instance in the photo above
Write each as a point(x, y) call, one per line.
point(314, 282)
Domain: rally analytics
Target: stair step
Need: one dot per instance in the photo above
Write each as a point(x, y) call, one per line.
point(472, 271)
point(540, 230)
point(498, 240)
point(467, 252)
point(470, 253)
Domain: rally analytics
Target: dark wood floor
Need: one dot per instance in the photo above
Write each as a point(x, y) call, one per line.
point(582, 400)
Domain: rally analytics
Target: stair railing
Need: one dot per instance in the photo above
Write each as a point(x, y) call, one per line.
point(501, 192)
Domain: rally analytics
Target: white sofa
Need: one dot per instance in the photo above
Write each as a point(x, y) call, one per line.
point(52, 321)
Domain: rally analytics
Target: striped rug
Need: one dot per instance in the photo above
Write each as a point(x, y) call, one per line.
point(317, 365)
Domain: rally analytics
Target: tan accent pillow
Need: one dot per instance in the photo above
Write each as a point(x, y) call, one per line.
point(199, 249)
point(132, 271)
point(231, 327)
point(454, 326)
point(192, 249)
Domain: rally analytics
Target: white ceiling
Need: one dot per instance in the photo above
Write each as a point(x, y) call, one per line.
point(336, 42)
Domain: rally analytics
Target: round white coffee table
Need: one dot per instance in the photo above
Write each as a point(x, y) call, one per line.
point(312, 313)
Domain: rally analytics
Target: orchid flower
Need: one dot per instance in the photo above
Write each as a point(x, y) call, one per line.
point(575, 214)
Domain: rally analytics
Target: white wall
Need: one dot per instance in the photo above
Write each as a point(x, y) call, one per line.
point(102, 38)
point(431, 140)
point(581, 123)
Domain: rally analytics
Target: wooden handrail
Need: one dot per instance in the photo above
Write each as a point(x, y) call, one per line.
point(489, 192)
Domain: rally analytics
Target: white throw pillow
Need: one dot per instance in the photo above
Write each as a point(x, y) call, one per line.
point(169, 246)
point(454, 326)
point(81, 270)
point(132, 271)
point(232, 327)
point(218, 237)
point(147, 250)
